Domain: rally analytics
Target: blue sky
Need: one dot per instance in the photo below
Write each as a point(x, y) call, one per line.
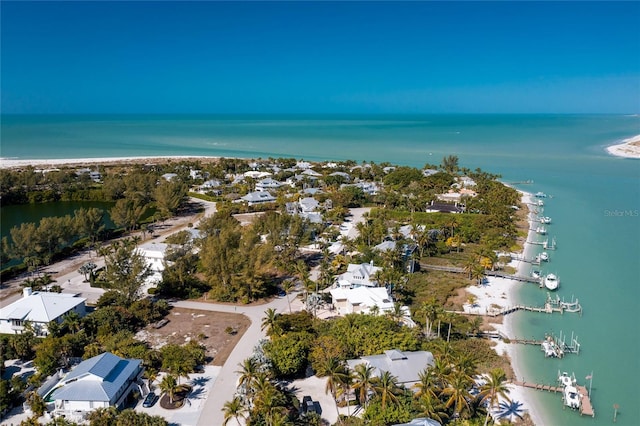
point(325, 57)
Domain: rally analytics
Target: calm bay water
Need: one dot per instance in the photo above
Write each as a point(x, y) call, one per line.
point(595, 206)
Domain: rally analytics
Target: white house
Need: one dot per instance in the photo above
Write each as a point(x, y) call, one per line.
point(154, 255)
point(361, 300)
point(358, 276)
point(405, 366)
point(102, 381)
point(38, 309)
point(169, 176)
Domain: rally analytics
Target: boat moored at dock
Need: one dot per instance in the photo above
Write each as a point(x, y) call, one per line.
point(551, 282)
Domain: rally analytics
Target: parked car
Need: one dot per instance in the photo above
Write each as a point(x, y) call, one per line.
point(310, 406)
point(150, 399)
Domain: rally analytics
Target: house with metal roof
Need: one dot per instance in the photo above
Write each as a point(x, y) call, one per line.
point(361, 300)
point(38, 309)
point(102, 381)
point(405, 366)
point(358, 276)
point(258, 197)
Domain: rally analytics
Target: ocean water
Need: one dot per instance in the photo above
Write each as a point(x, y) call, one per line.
point(595, 206)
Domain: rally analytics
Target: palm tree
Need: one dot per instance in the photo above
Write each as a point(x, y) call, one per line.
point(386, 387)
point(151, 374)
point(248, 373)
point(432, 408)
point(233, 409)
point(428, 384)
point(466, 364)
point(269, 321)
point(457, 394)
point(364, 381)
point(495, 387)
point(345, 387)
point(72, 322)
point(396, 314)
point(169, 386)
point(287, 286)
point(431, 309)
point(335, 373)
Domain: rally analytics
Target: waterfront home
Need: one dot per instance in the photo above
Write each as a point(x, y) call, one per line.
point(361, 300)
point(405, 366)
point(99, 382)
point(358, 275)
point(36, 309)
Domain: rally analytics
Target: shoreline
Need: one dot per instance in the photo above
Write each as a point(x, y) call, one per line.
point(10, 163)
point(499, 291)
point(629, 148)
point(503, 292)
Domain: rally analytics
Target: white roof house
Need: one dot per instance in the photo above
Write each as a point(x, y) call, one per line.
point(358, 276)
point(154, 254)
point(39, 308)
point(405, 366)
point(361, 300)
point(169, 176)
point(102, 381)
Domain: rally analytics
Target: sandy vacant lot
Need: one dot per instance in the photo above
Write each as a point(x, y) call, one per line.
point(207, 328)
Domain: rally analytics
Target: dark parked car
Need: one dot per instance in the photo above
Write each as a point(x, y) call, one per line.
point(150, 400)
point(310, 406)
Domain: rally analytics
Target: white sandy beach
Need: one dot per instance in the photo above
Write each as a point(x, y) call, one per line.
point(629, 148)
point(498, 293)
point(7, 163)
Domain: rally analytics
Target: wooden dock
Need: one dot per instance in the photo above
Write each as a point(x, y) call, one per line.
point(586, 409)
point(458, 270)
point(538, 386)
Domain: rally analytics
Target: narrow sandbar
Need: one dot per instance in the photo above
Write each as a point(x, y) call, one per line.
point(629, 148)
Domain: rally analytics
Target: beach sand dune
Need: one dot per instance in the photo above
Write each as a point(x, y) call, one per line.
point(629, 148)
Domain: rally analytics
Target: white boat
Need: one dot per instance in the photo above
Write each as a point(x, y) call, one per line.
point(545, 220)
point(535, 274)
point(541, 195)
point(551, 282)
point(540, 203)
point(571, 397)
point(541, 230)
point(549, 349)
point(566, 380)
point(544, 256)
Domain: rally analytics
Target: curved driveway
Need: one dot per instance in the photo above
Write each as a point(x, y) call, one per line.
point(224, 386)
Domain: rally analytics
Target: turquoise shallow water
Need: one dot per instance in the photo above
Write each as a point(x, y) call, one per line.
point(595, 205)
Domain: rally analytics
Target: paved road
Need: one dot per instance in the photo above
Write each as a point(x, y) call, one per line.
point(66, 275)
point(225, 383)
